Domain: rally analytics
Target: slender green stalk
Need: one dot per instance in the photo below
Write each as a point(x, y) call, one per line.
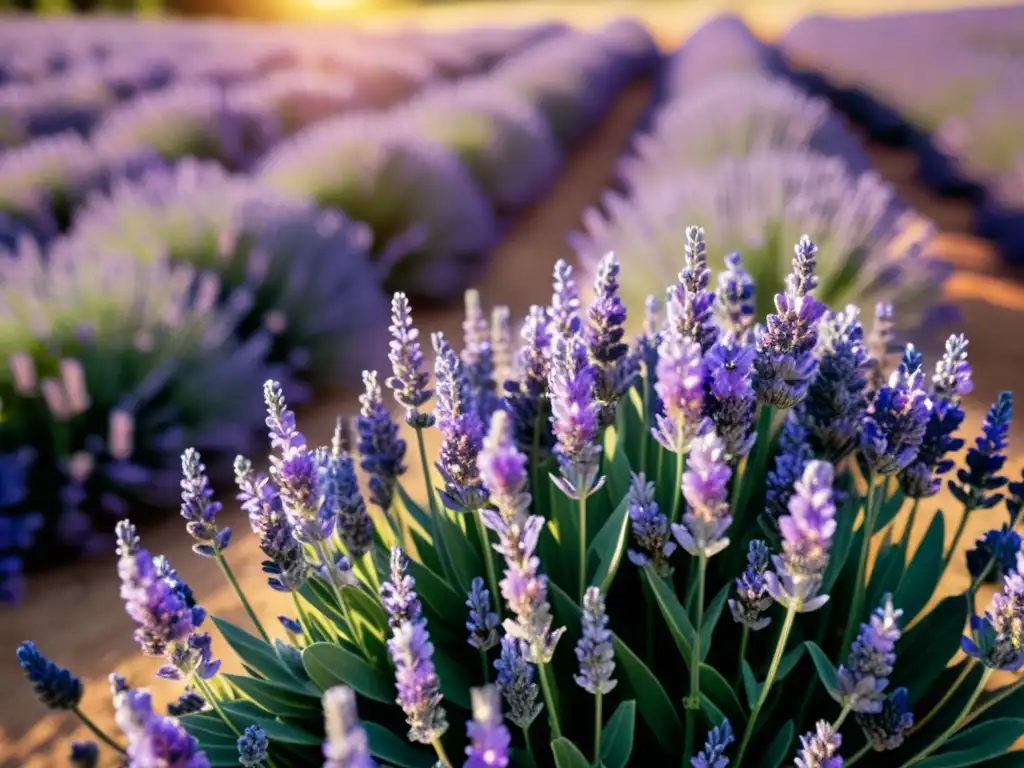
point(366, 564)
point(744, 639)
point(336, 590)
point(435, 512)
point(492, 573)
point(955, 726)
point(485, 667)
point(677, 488)
point(529, 746)
point(845, 713)
point(546, 687)
point(857, 603)
point(223, 562)
point(583, 545)
point(968, 667)
point(304, 619)
point(905, 539)
point(211, 698)
point(645, 437)
point(598, 722)
point(442, 756)
point(956, 537)
point(1001, 694)
point(773, 670)
point(693, 700)
point(97, 731)
point(863, 751)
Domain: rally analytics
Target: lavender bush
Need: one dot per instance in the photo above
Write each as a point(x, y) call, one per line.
point(560, 596)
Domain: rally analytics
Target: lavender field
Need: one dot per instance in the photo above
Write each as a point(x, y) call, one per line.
point(190, 209)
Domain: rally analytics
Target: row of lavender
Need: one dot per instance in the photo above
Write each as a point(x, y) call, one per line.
point(948, 85)
point(141, 319)
point(736, 147)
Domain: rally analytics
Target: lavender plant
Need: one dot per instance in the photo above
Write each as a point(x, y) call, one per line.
point(541, 584)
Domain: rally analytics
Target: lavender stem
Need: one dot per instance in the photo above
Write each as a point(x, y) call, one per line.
point(956, 537)
point(863, 751)
point(968, 668)
point(744, 639)
point(905, 539)
point(598, 722)
point(211, 697)
point(979, 689)
point(307, 625)
point(222, 561)
point(677, 488)
point(434, 512)
point(442, 756)
point(549, 700)
point(583, 545)
point(326, 561)
point(97, 731)
point(857, 603)
point(692, 703)
point(492, 573)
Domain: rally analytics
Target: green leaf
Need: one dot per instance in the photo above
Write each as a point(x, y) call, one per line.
point(567, 755)
point(253, 651)
point(925, 650)
point(887, 571)
point(842, 541)
point(329, 665)
point(609, 546)
point(751, 687)
point(435, 591)
point(923, 573)
point(463, 556)
point(318, 594)
point(429, 554)
point(891, 507)
point(396, 751)
point(721, 694)
point(778, 750)
point(209, 730)
point(675, 615)
point(291, 660)
point(454, 682)
point(789, 661)
point(711, 616)
point(222, 756)
point(617, 737)
point(616, 466)
point(275, 698)
point(244, 714)
point(826, 672)
point(977, 744)
point(369, 620)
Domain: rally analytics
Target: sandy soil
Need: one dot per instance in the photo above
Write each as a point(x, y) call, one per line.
point(75, 613)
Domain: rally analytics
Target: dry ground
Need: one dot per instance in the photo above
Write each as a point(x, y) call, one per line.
point(75, 613)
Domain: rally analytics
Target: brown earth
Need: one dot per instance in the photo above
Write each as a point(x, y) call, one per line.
point(75, 614)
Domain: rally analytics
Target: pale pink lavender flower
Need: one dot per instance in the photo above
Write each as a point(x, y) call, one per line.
point(652, 536)
point(381, 450)
point(154, 740)
point(736, 296)
point(595, 651)
point(574, 417)
point(807, 533)
point(199, 508)
point(730, 400)
point(887, 729)
point(419, 690)
point(894, 427)
point(752, 599)
point(614, 368)
point(820, 748)
point(706, 490)
point(483, 622)
point(408, 381)
point(478, 359)
point(713, 754)
point(346, 745)
point(502, 468)
point(680, 388)
point(785, 361)
point(862, 680)
point(462, 432)
point(516, 682)
point(692, 302)
point(489, 739)
point(997, 638)
point(398, 594)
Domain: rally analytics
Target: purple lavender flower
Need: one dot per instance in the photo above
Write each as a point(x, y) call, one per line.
point(193, 658)
point(785, 361)
point(752, 599)
point(502, 468)
point(820, 749)
point(291, 626)
point(887, 729)
point(55, 687)
point(574, 417)
point(84, 754)
point(985, 459)
point(613, 373)
point(478, 359)
point(997, 638)
point(483, 622)
point(693, 304)
point(501, 345)
point(680, 388)
point(380, 447)
point(836, 399)
point(408, 380)
point(651, 534)
point(398, 594)
point(117, 683)
point(188, 703)
point(864, 677)
point(461, 430)
point(897, 418)
point(1000, 546)
point(706, 490)
point(879, 344)
point(161, 612)
point(807, 533)
point(648, 343)
point(297, 474)
point(280, 420)
point(953, 377)
point(730, 400)
point(152, 738)
point(252, 748)
point(595, 651)
point(713, 754)
point(344, 500)
point(199, 508)
point(736, 294)
point(564, 314)
point(516, 682)
point(419, 690)
point(526, 398)
point(794, 454)
point(489, 739)
point(346, 745)
point(286, 563)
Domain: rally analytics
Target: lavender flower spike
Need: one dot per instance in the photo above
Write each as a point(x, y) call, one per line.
point(199, 508)
point(887, 729)
point(785, 361)
point(345, 501)
point(516, 682)
point(501, 345)
point(752, 598)
point(820, 749)
point(651, 534)
point(152, 738)
point(997, 638)
point(478, 359)
point(983, 477)
point(594, 650)
point(380, 447)
point(346, 745)
point(680, 387)
point(731, 403)
point(489, 739)
point(574, 418)
point(564, 319)
point(735, 298)
point(483, 622)
point(953, 377)
point(526, 398)
point(161, 611)
point(398, 594)
point(461, 431)
point(252, 748)
point(894, 429)
point(794, 453)
point(807, 533)
point(408, 381)
point(613, 368)
point(865, 676)
point(55, 687)
point(690, 302)
point(84, 754)
point(419, 690)
point(706, 490)
point(879, 344)
point(713, 754)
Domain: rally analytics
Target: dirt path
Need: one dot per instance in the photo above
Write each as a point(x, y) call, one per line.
point(75, 613)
